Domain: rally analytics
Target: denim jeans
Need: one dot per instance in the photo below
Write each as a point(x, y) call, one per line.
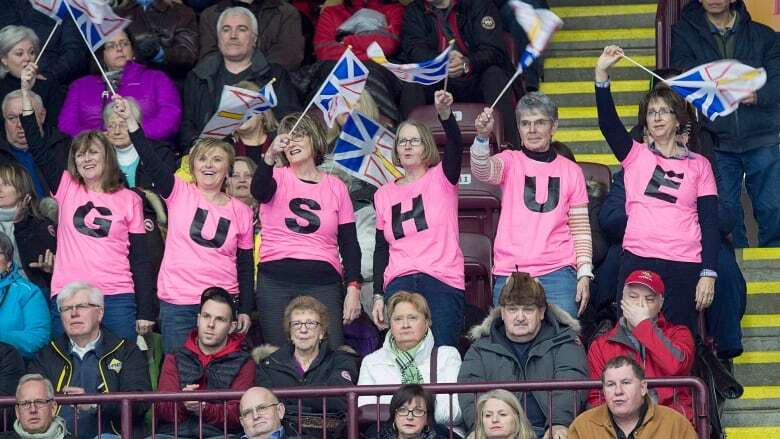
point(447, 305)
point(119, 314)
point(728, 306)
point(560, 289)
point(760, 168)
point(176, 322)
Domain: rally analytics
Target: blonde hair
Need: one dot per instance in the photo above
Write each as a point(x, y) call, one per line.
point(366, 105)
point(523, 429)
point(416, 299)
point(310, 127)
point(206, 144)
point(430, 155)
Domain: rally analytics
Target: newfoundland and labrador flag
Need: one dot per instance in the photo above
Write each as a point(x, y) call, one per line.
point(94, 18)
point(342, 88)
point(236, 106)
point(716, 88)
point(365, 150)
point(539, 25)
point(425, 73)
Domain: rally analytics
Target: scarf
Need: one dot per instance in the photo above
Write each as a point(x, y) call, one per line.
point(57, 430)
point(405, 360)
point(7, 217)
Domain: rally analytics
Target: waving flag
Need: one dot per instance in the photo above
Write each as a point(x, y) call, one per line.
point(236, 106)
point(365, 150)
point(342, 88)
point(539, 25)
point(94, 18)
point(426, 73)
point(717, 88)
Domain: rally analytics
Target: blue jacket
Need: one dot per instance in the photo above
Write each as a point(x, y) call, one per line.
point(693, 44)
point(24, 314)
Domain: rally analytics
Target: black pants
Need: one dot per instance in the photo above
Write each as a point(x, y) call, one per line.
point(484, 87)
point(680, 279)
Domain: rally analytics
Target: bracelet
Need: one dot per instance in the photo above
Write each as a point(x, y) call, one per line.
point(378, 297)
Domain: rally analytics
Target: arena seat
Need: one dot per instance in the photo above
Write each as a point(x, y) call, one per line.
point(465, 113)
point(478, 261)
point(479, 205)
point(597, 172)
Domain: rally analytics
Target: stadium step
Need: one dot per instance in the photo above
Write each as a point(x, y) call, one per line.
point(589, 25)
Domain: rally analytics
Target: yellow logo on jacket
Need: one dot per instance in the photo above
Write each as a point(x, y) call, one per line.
point(115, 365)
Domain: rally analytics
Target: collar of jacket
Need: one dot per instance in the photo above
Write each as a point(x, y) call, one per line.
point(603, 417)
point(282, 358)
point(209, 66)
point(620, 334)
point(109, 344)
point(10, 277)
point(694, 14)
point(233, 344)
point(452, 6)
point(423, 354)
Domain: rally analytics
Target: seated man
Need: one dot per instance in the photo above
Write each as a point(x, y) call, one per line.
point(261, 416)
point(89, 359)
point(211, 358)
point(236, 61)
point(479, 66)
point(643, 334)
point(35, 411)
point(629, 409)
point(11, 368)
point(526, 339)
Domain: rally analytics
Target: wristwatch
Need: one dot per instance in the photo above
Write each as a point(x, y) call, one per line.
point(466, 66)
point(708, 273)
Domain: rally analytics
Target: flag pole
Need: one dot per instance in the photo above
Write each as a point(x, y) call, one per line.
point(100, 67)
point(51, 34)
point(446, 78)
point(506, 87)
point(628, 58)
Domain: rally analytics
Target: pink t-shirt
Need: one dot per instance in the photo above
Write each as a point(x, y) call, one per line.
point(93, 242)
point(533, 232)
point(661, 194)
point(301, 221)
point(420, 223)
point(201, 246)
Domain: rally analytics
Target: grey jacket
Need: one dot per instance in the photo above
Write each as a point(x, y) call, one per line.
point(555, 354)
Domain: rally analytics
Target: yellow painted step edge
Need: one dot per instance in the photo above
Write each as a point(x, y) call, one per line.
point(762, 357)
point(761, 321)
point(752, 432)
point(590, 112)
point(587, 87)
point(761, 392)
point(571, 136)
point(604, 159)
point(761, 254)
point(581, 62)
point(763, 287)
point(582, 35)
point(602, 11)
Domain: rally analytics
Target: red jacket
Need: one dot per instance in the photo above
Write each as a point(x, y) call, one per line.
point(213, 413)
point(328, 49)
point(666, 350)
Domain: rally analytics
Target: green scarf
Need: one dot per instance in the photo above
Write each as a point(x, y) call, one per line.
point(405, 360)
point(57, 430)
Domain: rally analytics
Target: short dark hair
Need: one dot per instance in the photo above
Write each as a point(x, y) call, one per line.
point(620, 361)
point(669, 97)
point(408, 392)
point(220, 295)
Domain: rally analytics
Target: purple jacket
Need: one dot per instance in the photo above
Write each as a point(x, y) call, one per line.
point(155, 93)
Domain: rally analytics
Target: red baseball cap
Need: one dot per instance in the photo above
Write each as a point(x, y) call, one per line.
point(648, 279)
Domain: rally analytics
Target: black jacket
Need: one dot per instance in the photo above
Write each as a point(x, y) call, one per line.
point(275, 368)
point(693, 44)
point(123, 368)
point(478, 29)
point(51, 92)
point(55, 140)
point(13, 435)
point(11, 369)
point(201, 97)
point(34, 235)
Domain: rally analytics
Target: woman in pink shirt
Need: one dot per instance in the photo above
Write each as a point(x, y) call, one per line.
point(417, 240)
point(308, 232)
point(543, 229)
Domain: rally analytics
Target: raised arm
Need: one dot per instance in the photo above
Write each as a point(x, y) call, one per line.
point(453, 150)
point(483, 167)
point(263, 185)
point(615, 133)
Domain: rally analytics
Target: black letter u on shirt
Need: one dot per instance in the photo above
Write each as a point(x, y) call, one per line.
point(553, 194)
point(196, 230)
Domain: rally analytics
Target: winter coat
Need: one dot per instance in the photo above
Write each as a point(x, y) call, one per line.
point(51, 92)
point(556, 354)
point(230, 368)
point(693, 44)
point(164, 25)
point(24, 314)
point(154, 92)
point(667, 350)
point(329, 44)
point(34, 235)
point(477, 28)
point(380, 368)
point(201, 97)
point(56, 141)
point(12, 434)
point(11, 369)
point(280, 37)
point(659, 422)
point(276, 368)
point(123, 368)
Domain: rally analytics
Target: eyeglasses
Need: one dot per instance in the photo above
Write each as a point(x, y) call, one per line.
point(414, 141)
point(38, 403)
point(663, 112)
point(123, 44)
point(296, 136)
point(539, 124)
point(81, 307)
point(309, 324)
point(259, 409)
point(417, 413)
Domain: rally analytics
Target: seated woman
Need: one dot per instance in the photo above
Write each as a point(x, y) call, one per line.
point(408, 353)
point(24, 314)
point(500, 416)
point(412, 409)
point(306, 359)
point(154, 92)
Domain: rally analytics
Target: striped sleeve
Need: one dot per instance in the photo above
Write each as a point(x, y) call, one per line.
point(483, 167)
point(583, 245)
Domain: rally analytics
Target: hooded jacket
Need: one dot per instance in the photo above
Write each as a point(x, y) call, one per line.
point(329, 45)
point(556, 354)
point(666, 350)
point(24, 314)
point(693, 44)
point(230, 368)
point(276, 368)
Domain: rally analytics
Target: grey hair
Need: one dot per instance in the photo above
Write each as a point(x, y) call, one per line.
point(6, 247)
point(17, 94)
point(35, 377)
point(238, 10)
point(132, 105)
point(12, 35)
point(95, 295)
point(537, 101)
